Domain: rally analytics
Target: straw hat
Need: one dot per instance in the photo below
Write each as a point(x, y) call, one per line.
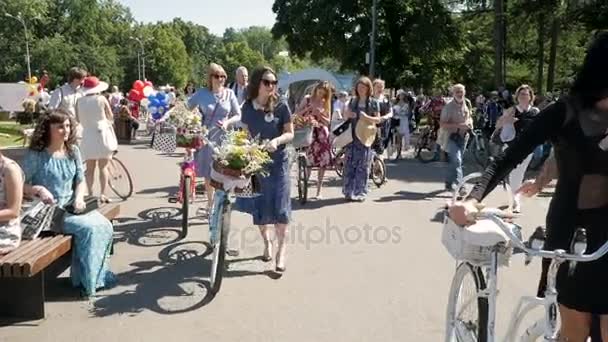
point(92, 85)
point(366, 131)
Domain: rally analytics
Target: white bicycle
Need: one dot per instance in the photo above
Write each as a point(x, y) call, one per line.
point(481, 249)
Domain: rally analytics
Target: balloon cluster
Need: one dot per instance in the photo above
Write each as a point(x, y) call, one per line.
point(31, 86)
point(144, 94)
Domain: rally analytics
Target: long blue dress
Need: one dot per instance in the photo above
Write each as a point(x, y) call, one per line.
point(274, 204)
point(213, 109)
point(91, 232)
point(358, 157)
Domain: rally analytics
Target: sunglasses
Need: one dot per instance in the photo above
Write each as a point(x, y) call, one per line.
point(268, 83)
point(216, 76)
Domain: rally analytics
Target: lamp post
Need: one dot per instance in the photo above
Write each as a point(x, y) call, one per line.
point(27, 44)
point(143, 57)
point(372, 53)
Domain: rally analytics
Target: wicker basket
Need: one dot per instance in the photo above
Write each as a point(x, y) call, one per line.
point(302, 137)
point(194, 141)
point(453, 239)
point(219, 168)
point(252, 190)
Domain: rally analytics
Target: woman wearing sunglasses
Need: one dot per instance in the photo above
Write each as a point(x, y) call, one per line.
point(219, 109)
point(265, 116)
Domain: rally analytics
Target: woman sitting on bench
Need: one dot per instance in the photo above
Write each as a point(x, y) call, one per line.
point(11, 194)
point(54, 173)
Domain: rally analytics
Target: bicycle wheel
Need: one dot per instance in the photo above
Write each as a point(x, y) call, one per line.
point(425, 148)
point(467, 313)
point(302, 180)
point(185, 204)
point(119, 179)
point(378, 172)
point(219, 241)
point(339, 163)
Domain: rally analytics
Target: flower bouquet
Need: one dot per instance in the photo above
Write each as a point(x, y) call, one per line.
point(188, 125)
point(237, 160)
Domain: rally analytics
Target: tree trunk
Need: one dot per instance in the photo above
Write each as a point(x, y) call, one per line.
point(540, 77)
point(498, 43)
point(553, 55)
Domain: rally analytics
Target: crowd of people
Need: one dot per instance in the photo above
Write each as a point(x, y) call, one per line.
point(78, 131)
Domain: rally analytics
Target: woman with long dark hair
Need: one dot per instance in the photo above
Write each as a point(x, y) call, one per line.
point(264, 116)
point(54, 173)
point(577, 125)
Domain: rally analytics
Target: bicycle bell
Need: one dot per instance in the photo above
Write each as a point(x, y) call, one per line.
point(578, 245)
point(537, 239)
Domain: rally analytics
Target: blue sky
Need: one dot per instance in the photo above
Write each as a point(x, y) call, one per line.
point(216, 15)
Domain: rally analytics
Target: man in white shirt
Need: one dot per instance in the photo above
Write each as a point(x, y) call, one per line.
point(171, 97)
point(240, 86)
point(65, 97)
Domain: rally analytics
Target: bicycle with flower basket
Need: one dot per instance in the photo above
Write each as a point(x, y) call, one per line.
point(238, 160)
point(190, 136)
point(303, 137)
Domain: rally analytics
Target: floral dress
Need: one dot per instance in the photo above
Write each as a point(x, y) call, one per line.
point(319, 152)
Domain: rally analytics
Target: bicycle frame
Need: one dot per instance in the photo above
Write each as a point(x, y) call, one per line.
point(188, 169)
point(547, 327)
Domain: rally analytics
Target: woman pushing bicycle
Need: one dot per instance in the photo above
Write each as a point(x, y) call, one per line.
point(577, 125)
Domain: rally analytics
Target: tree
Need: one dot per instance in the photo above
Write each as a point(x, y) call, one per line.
point(404, 48)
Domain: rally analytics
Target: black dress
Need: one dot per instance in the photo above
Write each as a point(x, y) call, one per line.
point(582, 165)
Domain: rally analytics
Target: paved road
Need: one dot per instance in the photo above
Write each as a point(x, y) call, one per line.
point(373, 271)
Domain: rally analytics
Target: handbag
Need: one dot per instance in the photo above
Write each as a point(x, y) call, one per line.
point(343, 134)
point(91, 203)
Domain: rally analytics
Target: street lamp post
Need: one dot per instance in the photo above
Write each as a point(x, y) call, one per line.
point(372, 54)
point(143, 57)
point(27, 44)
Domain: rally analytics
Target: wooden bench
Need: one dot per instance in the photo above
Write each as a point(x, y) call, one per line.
point(22, 271)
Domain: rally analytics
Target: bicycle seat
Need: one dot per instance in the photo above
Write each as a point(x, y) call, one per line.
point(484, 233)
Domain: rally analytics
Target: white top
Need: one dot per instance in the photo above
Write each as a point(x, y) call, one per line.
point(65, 97)
point(240, 92)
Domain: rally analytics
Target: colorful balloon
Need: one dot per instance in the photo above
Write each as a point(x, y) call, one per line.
point(161, 96)
point(135, 95)
point(153, 110)
point(161, 110)
point(157, 116)
point(144, 102)
point(138, 85)
point(148, 90)
point(148, 84)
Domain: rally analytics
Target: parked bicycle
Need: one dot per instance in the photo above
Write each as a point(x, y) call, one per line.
point(481, 249)
point(186, 194)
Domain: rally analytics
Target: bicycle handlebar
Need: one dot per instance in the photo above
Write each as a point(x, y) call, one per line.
point(556, 254)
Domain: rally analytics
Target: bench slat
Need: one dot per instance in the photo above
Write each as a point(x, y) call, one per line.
point(8, 260)
point(18, 264)
point(32, 256)
point(46, 256)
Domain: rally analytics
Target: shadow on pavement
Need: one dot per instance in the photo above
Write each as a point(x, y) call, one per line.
point(168, 190)
point(316, 204)
point(412, 196)
point(172, 285)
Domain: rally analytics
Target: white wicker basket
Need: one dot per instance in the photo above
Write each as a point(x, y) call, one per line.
point(302, 137)
point(453, 239)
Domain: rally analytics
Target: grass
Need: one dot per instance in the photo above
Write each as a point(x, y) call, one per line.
point(10, 133)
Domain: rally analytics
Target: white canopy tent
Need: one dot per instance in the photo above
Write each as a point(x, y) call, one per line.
point(296, 85)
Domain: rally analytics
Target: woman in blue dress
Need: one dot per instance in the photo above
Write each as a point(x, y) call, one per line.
point(54, 173)
point(359, 155)
point(266, 117)
point(219, 109)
